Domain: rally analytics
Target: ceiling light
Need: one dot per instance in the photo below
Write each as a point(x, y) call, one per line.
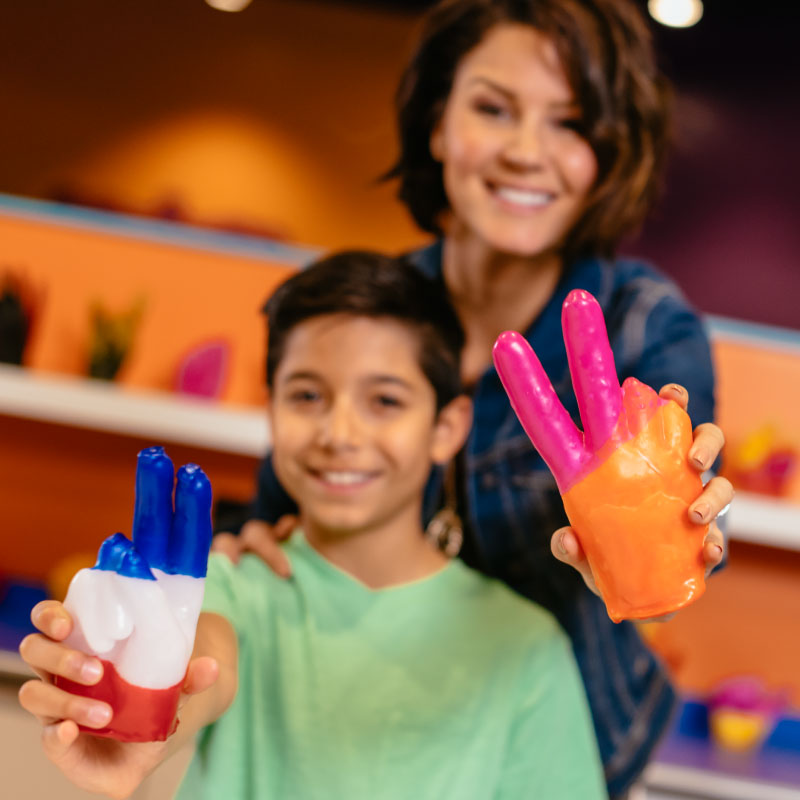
point(676, 13)
point(228, 5)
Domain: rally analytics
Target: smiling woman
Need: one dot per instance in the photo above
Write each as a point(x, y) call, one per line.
point(516, 169)
point(532, 133)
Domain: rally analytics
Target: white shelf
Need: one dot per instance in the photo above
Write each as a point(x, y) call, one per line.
point(100, 405)
point(764, 520)
point(105, 406)
point(12, 665)
point(672, 782)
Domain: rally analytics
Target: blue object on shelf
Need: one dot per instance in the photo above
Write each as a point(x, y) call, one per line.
point(17, 598)
point(689, 745)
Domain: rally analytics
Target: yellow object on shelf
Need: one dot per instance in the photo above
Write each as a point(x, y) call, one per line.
point(740, 731)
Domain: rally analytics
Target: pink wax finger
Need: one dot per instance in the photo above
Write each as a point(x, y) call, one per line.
point(538, 408)
point(591, 364)
point(641, 403)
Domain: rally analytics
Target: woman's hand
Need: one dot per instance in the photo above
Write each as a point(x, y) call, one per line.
point(261, 538)
point(716, 495)
point(96, 764)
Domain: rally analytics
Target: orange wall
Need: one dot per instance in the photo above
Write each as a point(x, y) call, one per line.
point(758, 384)
point(279, 117)
point(745, 624)
point(190, 296)
point(63, 490)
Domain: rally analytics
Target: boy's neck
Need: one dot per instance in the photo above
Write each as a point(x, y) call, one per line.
point(398, 553)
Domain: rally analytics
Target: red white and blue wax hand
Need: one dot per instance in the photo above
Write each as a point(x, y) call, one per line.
point(625, 479)
point(137, 608)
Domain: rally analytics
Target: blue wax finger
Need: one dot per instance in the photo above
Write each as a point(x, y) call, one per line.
point(191, 527)
point(117, 554)
point(152, 513)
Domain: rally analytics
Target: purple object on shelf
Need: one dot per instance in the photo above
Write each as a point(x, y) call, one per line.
point(747, 693)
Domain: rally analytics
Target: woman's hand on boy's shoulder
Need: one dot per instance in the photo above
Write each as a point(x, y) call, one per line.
point(717, 494)
point(260, 538)
point(93, 763)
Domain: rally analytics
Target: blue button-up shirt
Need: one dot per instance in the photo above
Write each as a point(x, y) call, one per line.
point(510, 505)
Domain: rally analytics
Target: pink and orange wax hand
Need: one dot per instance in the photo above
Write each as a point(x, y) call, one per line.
point(625, 480)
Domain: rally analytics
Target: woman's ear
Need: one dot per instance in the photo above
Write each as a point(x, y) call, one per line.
point(451, 429)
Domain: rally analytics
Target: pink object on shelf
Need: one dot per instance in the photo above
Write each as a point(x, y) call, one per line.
point(203, 371)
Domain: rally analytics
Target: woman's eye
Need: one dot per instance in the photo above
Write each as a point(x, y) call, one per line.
point(490, 108)
point(575, 124)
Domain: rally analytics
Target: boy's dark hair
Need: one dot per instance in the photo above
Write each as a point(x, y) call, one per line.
point(368, 284)
point(605, 48)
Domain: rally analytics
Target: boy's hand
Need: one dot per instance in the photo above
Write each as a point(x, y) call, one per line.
point(92, 763)
point(261, 538)
point(630, 481)
point(137, 609)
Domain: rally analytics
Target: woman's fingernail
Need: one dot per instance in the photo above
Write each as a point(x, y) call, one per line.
point(561, 548)
point(717, 550)
point(700, 457)
point(700, 512)
point(677, 389)
point(91, 670)
point(98, 715)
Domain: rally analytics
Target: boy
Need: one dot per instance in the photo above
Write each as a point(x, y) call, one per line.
point(381, 668)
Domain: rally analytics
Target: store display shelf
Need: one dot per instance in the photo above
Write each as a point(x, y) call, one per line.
point(764, 520)
point(99, 405)
point(103, 406)
point(12, 665)
point(672, 782)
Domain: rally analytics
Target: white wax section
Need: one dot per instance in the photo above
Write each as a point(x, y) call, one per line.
point(145, 628)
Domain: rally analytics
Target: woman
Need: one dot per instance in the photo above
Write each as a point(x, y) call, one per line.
point(532, 133)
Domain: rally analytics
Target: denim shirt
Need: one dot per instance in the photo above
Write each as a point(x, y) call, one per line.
point(510, 505)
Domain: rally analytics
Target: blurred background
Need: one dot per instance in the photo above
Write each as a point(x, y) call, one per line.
point(165, 164)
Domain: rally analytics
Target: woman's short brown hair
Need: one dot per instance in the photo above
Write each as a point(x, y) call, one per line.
point(605, 48)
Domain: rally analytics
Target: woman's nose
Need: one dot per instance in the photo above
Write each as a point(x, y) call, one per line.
point(524, 148)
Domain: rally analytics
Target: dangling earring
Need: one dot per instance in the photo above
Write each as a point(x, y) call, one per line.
point(446, 532)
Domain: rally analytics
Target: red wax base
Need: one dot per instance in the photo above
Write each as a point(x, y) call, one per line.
point(140, 715)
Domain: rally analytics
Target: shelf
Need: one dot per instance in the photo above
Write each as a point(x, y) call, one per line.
point(12, 665)
point(672, 781)
point(99, 405)
point(764, 520)
point(160, 416)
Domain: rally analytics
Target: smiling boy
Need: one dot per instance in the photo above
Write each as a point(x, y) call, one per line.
point(381, 668)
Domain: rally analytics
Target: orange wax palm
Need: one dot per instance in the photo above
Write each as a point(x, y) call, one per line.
point(625, 480)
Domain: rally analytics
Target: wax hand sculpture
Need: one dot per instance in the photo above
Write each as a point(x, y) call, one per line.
point(137, 608)
point(625, 480)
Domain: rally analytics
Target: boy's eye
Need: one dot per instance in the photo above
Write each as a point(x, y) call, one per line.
point(387, 401)
point(303, 396)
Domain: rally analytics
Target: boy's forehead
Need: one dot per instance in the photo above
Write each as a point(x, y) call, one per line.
point(338, 341)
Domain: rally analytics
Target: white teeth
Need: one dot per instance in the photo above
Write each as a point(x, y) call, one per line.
point(524, 198)
point(344, 478)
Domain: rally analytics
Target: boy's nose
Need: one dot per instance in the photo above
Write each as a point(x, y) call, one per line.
point(340, 427)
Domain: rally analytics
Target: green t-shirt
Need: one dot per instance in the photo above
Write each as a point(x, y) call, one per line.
point(447, 687)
